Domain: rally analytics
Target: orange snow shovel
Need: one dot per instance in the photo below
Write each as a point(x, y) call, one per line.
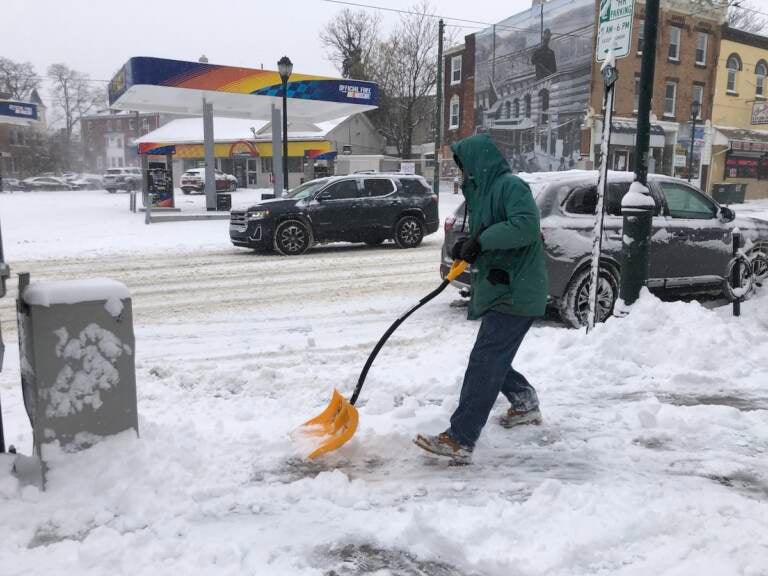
point(338, 422)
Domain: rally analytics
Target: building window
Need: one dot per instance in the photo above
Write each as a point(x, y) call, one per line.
point(640, 37)
point(698, 97)
point(527, 102)
point(636, 105)
point(761, 71)
point(507, 109)
point(544, 103)
point(674, 44)
point(516, 108)
point(733, 65)
point(455, 69)
point(145, 124)
point(670, 97)
point(295, 164)
point(701, 48)
point(453, 122)
point(131, 124)
point(109, 125)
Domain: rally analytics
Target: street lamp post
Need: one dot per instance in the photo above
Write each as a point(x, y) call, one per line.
point(285, 67)
point(695, 109)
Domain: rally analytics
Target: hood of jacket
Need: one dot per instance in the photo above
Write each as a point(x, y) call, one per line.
point(481, 162)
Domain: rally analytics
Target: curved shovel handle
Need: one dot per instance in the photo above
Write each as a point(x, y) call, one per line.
point(457, 268)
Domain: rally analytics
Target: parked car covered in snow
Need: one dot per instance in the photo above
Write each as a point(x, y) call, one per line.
point(127, 178)
point(11, 185)
point(87, 182)
point(194, 181)
point(691, 240)
point(44, 183)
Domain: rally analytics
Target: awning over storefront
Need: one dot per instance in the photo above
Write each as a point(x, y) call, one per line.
point(743, 142)
point(176, 86)
point(625, 134)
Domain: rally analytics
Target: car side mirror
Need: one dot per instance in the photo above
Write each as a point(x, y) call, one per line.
point(323, 196)
point(726, 214)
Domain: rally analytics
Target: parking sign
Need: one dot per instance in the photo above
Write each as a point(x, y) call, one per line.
point(615, 28)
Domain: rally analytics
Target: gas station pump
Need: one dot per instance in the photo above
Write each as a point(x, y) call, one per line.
point(159, 179)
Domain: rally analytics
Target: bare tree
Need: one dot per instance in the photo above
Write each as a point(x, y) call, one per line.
point(17, 79)
point(406, 71)
point(351, 39)
point(73, 97)
point(743, 15)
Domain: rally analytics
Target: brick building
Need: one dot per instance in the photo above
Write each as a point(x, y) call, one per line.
point(108, 137)
point(458, 98)
point(686, 62)
point(22, 140)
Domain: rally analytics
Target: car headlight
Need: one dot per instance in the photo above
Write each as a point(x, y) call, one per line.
point(258, 214)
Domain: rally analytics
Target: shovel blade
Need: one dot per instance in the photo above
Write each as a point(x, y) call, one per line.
point(334, 426)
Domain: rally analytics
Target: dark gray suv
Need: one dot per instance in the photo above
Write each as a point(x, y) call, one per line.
point(690, 243)
point(370, 208)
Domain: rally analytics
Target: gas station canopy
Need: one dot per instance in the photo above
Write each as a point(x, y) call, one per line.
point(148, 84)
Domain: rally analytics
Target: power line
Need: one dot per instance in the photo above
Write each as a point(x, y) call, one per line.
point(414, 13)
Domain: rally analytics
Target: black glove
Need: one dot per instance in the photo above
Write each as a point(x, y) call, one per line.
point(467, 249)
point(456, 250)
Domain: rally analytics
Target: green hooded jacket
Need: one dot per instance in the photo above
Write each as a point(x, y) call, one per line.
point(510, 275)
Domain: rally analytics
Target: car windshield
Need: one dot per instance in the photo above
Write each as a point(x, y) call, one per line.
point(307, 189)
point(114, 171)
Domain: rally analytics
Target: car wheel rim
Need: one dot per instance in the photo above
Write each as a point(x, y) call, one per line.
point(605, 298)
point(292, 238)
point(760, 267)
point(410, 232)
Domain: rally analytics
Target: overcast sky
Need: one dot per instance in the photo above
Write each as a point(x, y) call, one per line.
point(98, 36)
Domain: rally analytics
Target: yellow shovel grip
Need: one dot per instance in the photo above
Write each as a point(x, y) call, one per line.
point(457, 268)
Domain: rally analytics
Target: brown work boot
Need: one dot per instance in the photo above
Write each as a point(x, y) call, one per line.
point(444, 445)
point(519, 417)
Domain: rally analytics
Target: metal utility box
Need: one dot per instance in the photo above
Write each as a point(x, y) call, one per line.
point(729, 193)
point(77, 361)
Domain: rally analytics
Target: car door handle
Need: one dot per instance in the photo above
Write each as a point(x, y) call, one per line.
point(394, 202)
point(681, 235)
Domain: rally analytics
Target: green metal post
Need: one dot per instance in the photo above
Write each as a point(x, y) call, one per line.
point(637, 206)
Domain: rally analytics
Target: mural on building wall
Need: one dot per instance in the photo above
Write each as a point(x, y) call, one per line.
point(532, 83)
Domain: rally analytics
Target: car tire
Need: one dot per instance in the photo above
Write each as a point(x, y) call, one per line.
point(574, 306)
point(409, 232)
point(292, 238)
point(185, 192)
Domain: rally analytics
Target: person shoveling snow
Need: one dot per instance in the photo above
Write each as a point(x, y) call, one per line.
point(509, 290)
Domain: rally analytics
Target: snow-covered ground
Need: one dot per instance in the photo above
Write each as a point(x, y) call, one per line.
point(653, 457)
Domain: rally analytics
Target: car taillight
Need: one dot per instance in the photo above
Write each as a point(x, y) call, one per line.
point(449, 222)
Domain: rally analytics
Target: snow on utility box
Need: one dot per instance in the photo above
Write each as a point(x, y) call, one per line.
point(78, 371)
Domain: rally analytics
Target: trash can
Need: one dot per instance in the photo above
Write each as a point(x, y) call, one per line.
point(223, 202)
point(76, 349)
point(729, 193)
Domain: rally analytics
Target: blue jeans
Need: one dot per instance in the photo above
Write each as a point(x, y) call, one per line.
point(489, 372)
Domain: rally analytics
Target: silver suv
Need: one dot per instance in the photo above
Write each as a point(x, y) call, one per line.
point(690, 241)
point(126, 178)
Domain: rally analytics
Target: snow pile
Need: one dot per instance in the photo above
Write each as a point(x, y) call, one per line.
point(49, 293)
point(651, 458)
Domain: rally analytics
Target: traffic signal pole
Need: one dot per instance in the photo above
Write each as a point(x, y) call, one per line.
point(637, 206)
